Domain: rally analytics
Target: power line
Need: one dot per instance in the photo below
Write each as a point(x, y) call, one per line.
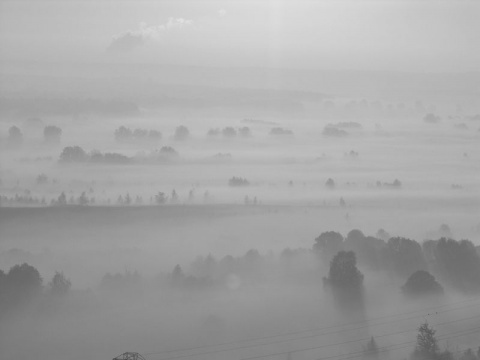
point(318, 329)
point(311, 336)
point(386, 348)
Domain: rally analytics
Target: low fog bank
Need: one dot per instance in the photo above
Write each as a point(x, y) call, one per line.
point(328, 298)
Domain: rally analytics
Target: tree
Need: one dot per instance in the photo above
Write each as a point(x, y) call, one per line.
point(174, 197)
point(244, 132)
point(160, 198)
point(330, 183)
point(62, 199)
point(178, 276)
point(238, 181)
point(60, 285)
point(42, 179)
point(432, 118)
point(73, 154)
point(420, 283)
point(181, 133)
point(229, 132)
point(469, 355)
point(23, 282)
point(368, 249)
point(83, 199)
point(370, 351)
point(15, 136)
point(427, 344)
point(404, 256)
point(328, 243)
point(343, 271)
point(458, 263)
point(52, 134)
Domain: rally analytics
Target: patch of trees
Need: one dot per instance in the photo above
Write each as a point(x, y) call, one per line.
point(421, 283)
point(25, 199)
point(238, 182)
point(109, 158)
point(75, 154)
point(281, 131)
point(128, 282)
point(178, 279)
point(432, 118)
point(41, 179)
point(334, 131)
point(125, 134)
point(456, 262)
point(346, 125)
point(343, 271)
point(181, 133)
point(231, 132)
point(52, 134)
point(352, 154)
point(15, 137)
point(396, 184)
point(330, 183)
point(398, 255)
point(22, 285)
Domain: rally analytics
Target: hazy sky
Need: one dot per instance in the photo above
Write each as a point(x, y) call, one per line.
point(341, 34)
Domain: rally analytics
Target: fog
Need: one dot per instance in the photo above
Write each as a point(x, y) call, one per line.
point(239, 180)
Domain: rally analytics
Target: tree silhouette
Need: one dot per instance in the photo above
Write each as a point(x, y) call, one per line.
point(73, 154)
point(344, 272)
point(52, 133)
point(181, 133)
point(60, 285)
point(427, 344)
point(420, 283)
point(370, 351)
point(328, 243)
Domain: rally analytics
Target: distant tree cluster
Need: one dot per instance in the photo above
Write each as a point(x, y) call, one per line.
point(25, 199)
point(126, 134)
point(334, 131)
point(230, 272)
point(15, 137)
point(230, 132)
point(396, 184)
point(346, 125)
point(432, 118)
point(281, 131)
point(181, 133)
point(75, 154)
point(454, 262)
point(52, 134)
point(128, 282)
point(238, 182)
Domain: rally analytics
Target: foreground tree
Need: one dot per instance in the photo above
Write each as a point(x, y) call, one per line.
point(344, 272)
point(346, 283)
point(427, 344)
point(371, 351)
point(421, 283)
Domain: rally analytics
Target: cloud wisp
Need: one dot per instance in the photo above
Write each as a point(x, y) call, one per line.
point(128, 41)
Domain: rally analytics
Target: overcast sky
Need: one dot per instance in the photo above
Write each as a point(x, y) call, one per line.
point(323, 34)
